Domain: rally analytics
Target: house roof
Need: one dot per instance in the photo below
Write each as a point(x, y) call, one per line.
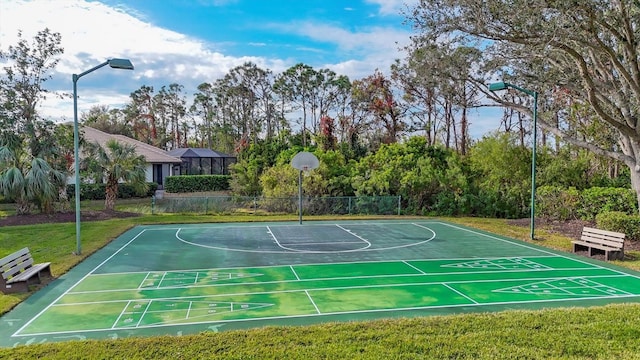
point(198, 153)
point(151, 153)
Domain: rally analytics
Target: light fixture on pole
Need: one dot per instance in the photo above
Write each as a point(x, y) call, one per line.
point(116, 64)
point(503, 86)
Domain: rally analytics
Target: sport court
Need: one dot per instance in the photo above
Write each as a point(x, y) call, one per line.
point(180, 279)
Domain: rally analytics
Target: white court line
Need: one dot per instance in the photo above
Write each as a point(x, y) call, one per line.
point(526, 270)
point(498, 281)
point(558, 254)
point(144, 313)
point(76, 284)
point(350, 232)
point(161, 280)
point(341, 263)
point(121, 313)
point(351, 312)
point(189, 309)
point(141, 286)
point(323, 243)
point(507, 241)
point(460, 293)
point(293, 271)
point(413, 267)
point(280, 245)
point(312, 302)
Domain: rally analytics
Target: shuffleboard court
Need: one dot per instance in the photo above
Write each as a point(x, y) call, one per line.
point(180, 279)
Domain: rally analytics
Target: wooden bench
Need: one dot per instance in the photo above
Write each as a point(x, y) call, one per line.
point(18, 271)
point(598, 241)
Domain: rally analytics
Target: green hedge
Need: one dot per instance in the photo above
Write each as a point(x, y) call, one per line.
point(620, 222)
point(196, 183)
point(563, 204)
point(596, 200)
point(98, 191)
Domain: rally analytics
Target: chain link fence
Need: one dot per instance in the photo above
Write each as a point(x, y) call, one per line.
point(334, 205)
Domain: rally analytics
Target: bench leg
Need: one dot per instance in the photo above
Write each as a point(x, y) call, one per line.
point(16, 287)
point(614, 255)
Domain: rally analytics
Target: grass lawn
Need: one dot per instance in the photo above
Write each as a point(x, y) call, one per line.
point(609, 332)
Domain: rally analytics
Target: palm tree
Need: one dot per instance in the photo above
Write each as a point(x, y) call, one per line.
point(116, 162)
point(26, 179)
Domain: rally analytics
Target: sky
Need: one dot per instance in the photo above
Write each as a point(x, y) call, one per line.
point(194, 41)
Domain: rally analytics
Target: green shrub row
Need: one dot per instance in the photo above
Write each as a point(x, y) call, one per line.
point(97, 191)
point(620, 222)
point(196, 183)
point(565, 204)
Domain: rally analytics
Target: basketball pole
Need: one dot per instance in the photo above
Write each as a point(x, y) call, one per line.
point(300, 196)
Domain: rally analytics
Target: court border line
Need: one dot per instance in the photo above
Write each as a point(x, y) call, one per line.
point(161, 227)
point(417, 273)
point(177, 236)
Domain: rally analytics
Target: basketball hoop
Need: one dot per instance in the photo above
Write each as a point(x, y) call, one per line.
point(305, 162)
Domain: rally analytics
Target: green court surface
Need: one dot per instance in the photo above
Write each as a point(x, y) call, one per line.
point(180, 279)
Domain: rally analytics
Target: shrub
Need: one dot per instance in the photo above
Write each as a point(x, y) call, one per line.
point(597, 199)
point(620, 222)
point(196, 183)
point(98, 191)
point(557, 203)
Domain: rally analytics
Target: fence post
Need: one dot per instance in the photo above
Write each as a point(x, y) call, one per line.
point(206, 205)
point(349, 205)
point(153, 204)
point(399, 198)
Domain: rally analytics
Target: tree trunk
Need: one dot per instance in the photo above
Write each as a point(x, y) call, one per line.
point(111, 193)
point(635, 181)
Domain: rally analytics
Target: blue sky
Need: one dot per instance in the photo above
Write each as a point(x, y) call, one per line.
point(193, 41)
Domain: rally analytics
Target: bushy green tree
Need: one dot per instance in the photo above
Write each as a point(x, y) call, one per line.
point(113, 163)
point(429, 179)
point(502, 176)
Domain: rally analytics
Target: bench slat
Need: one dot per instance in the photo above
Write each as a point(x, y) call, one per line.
point(19, 253)
point(24, 276)
point(596, 245)
point(603, 232)
point(609, 243)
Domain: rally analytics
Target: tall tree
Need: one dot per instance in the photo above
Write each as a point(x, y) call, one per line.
point(170, 109)
point(28, 68)
point(587, 48)
point(32, 166)
point(375, 94)
point(111, 121)
point(297, 85)
point(140, 112)
point(113, 163)
point(204, 108)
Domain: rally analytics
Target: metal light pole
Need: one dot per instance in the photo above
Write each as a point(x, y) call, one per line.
point(503, 86)
point(116, 64)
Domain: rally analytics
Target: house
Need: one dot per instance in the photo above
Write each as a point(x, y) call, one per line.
point(200, 161)
point(160, 163)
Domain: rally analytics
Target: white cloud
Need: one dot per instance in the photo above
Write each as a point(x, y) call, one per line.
point(93, 32)
point(392, 7)
point(370, 48)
